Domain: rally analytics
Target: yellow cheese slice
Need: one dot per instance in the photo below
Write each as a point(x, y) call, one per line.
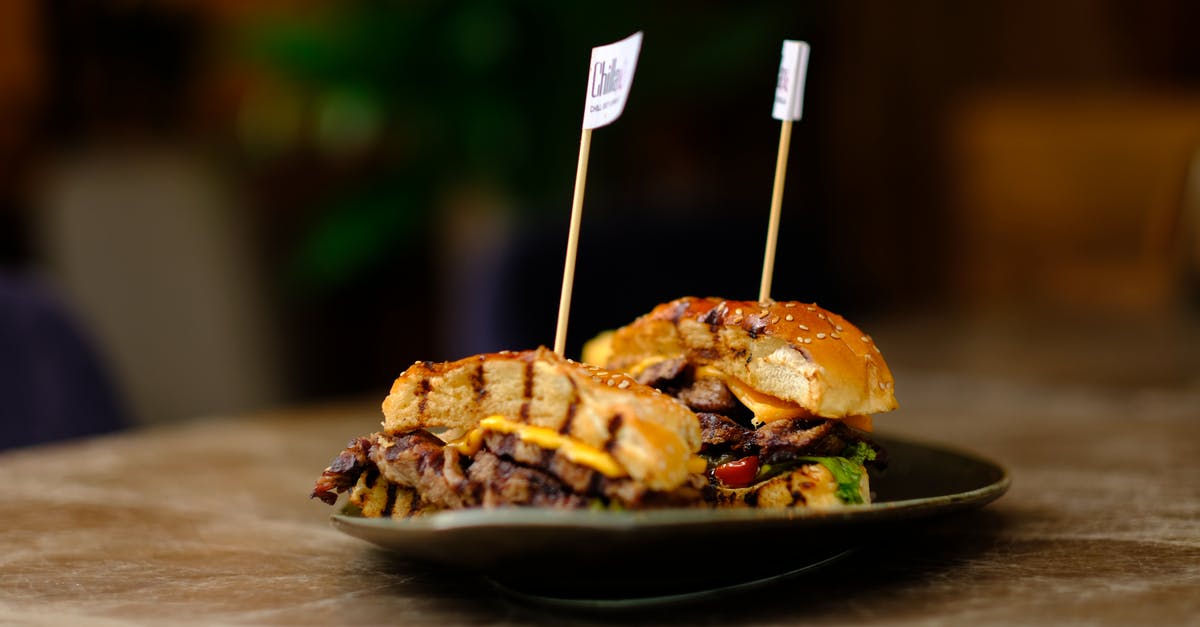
point(549, 439)
point(469, 443)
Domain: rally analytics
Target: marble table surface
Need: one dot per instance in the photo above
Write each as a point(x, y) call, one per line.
point(208, 522)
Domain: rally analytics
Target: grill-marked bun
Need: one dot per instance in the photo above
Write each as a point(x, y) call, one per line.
point(796, 352)
point(651, 435)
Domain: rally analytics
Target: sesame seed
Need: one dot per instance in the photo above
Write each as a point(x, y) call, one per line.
point(803, 326)
point(865, 339)
point(789, 317)
point(808, 340)
point(789, 305)
point(610, 382)
point(835, 336)
point(821, 316)
point(820, 336)
point(810, 308)
point(838, 327)
point(737, 311)
point(624, 384)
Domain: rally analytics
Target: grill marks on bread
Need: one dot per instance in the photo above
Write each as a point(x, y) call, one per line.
point(614, 425)
point(572, 408)
point(652, 441)
point(423, 388)
point(527, 390)
point(458, 394)
point(478, 382)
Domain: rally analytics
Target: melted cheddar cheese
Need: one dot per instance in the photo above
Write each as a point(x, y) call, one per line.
point(862, 422)
point(574, 450)
point(469, 443)
point(639, 367)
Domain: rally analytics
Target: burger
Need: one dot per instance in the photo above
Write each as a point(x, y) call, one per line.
point(526, 428)
point(784, 393)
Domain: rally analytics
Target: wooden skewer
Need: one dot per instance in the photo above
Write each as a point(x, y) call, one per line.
point(785, 140)
point(564, 302)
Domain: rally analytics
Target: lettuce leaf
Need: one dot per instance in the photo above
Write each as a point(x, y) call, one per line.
point(859, 452)
point(847, 469)
point(847, 473)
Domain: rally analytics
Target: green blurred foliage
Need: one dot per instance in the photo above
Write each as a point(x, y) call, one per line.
point(485, 92)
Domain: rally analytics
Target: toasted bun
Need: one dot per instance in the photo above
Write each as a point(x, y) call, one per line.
point(650, 434)
point(810, 485)
point(383, 498)
point(797, 352)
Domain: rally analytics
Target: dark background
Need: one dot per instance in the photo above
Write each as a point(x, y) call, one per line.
point(246, 206)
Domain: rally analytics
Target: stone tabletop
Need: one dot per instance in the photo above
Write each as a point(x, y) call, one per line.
point(209, 522)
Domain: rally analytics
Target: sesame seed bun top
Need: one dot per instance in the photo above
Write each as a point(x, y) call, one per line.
point(793, 351)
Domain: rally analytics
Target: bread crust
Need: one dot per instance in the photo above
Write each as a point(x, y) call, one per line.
point(797, 352)
point(651, 435)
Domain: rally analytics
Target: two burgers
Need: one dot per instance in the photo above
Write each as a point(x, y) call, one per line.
point(702, 402)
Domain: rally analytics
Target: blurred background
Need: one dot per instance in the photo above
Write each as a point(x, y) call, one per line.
point(215, 207)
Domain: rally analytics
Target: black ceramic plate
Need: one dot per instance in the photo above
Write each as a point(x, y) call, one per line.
point(618, 559)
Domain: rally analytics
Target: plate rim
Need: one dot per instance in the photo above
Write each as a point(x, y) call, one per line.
point(635, 520)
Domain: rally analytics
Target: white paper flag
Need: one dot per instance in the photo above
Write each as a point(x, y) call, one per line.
point(789, 91)
point(611, 75)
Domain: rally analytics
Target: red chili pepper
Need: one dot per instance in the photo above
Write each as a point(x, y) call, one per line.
point(738, 473)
